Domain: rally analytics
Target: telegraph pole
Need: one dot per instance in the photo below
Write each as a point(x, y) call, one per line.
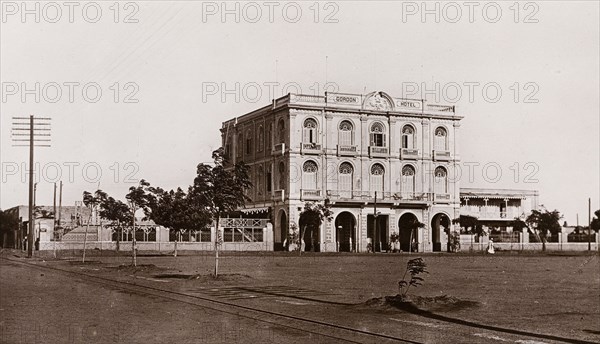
point(589, 224)
point(54, 205)
point(31, 234)
point(60, 203)
point(38, 127)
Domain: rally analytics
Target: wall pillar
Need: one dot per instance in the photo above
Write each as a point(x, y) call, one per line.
point(426, 239)
point(525, 236)
point(269, 244)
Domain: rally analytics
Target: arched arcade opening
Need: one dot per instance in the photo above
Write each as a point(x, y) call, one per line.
point(282, 232)
point(408, 231)
point(439, 223)
point(345, 226)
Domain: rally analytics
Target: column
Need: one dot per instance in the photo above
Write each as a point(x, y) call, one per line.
point(485, 207)
point(456, 151)
point(393, 137)
point(363, 230)
point(328, 144)
point(364, 156)
point(426, 162)
point(427, 244)
point(293, 139)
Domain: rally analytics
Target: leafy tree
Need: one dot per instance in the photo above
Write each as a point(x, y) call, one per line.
point(545, 223)
point(471, 225)
point(8, 224)
point(117, 213)
point(176, 211)
point(414, 224)
point(138, 198)
point(219, 190)
point(595, 225)
point(414, 267)
point(91, 201)
point(312, 217)
point(518, 224)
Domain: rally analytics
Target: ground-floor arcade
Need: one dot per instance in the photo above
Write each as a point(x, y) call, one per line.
point(364, 227)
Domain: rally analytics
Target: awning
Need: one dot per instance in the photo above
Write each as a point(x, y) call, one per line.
point(255, 210)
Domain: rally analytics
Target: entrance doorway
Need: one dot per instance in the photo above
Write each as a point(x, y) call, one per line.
point(408, 227)
point(310, 234)
point(378, 225)
point(283, 232)
point(439, 223)
point(345, 225)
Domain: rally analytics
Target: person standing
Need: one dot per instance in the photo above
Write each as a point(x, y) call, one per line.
point(490, 248)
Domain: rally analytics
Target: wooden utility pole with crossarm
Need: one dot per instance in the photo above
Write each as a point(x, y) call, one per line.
point(36, 132)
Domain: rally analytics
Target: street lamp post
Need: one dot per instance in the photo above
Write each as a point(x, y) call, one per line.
point(375, 225)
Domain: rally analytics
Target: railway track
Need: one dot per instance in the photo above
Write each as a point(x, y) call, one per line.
point(319, 328)
point(327, 330)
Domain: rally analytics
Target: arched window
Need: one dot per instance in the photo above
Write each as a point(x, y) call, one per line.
point(309, 131)
point(270, 136)
point(408, 137)
point(240, 145)
point(376, 179)
point(261, 138)
point(260, 180)
point(281, 131)
point(269, 179)
point(440, 139)
point(440, 181)
point(249, 142)
point(346, 172)
point(346, 133)
point(408, 180)
point(282, 179)
point(377, 135)
point(309, 175)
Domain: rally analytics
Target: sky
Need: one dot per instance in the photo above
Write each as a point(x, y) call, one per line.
point(140, 89)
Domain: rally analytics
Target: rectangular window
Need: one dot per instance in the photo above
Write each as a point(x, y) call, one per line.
point(377, 184)
point(377, 140)
point(439, 185)
point(345, 185)
point(408, 184)
point(345, 138)
point(440, 143)
point(228, 234)
point(238, 236)
point(309, 181)
point(309, 135)
point(205, 235)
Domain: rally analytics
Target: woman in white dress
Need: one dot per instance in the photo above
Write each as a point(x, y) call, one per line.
point(490, 248)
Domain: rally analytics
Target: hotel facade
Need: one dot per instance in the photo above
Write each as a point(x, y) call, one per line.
point(383, 163)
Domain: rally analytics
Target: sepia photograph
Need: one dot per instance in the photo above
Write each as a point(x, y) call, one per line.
point(301, 171)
